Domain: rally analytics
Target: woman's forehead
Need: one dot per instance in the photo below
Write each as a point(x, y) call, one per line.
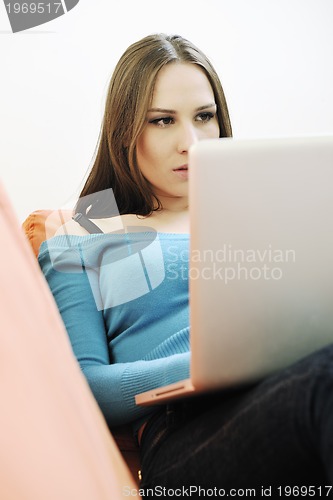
point(178, 81)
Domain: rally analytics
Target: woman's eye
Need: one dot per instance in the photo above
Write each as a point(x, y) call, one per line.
point(205, 117)
point(162, 122)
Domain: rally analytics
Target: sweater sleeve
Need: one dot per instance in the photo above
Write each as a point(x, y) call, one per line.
point(113, 385)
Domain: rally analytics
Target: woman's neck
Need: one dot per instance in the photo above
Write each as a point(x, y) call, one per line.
point(171, 220)
point(173, 204)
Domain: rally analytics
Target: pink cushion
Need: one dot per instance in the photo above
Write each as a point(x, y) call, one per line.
point(54, 441)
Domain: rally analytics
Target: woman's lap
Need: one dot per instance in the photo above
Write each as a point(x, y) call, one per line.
point(278, 432)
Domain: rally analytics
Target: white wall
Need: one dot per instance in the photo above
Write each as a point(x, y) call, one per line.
point(274, 58)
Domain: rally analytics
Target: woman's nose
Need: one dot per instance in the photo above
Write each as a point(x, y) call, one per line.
point(187, 136)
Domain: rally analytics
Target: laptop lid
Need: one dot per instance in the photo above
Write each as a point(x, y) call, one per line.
point(261, 266)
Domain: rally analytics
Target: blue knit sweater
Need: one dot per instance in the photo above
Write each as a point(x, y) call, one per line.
point(124, 301)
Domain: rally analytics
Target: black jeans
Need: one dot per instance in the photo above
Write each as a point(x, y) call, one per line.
point(275, 434)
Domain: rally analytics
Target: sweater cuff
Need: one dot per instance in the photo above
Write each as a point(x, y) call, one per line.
point(174, 368)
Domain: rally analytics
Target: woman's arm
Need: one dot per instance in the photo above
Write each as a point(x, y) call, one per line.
point(113, 385)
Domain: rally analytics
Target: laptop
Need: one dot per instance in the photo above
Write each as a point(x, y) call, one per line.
point(261, 259)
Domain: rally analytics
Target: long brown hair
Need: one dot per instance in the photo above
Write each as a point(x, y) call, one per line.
point(129, 96)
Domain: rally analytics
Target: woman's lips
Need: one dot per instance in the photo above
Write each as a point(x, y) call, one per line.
point(181, 172)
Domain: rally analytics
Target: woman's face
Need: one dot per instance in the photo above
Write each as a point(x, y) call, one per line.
point(182, 112)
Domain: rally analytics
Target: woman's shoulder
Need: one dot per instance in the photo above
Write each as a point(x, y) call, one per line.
point(71, 227)
point(120, 223)
point(74, 228)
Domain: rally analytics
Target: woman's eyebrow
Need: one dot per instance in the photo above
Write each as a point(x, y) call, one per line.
point(162, 110)
point(173, 112)
point(206, 106)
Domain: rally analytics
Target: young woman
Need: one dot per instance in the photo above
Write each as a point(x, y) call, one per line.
point(127, 315)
